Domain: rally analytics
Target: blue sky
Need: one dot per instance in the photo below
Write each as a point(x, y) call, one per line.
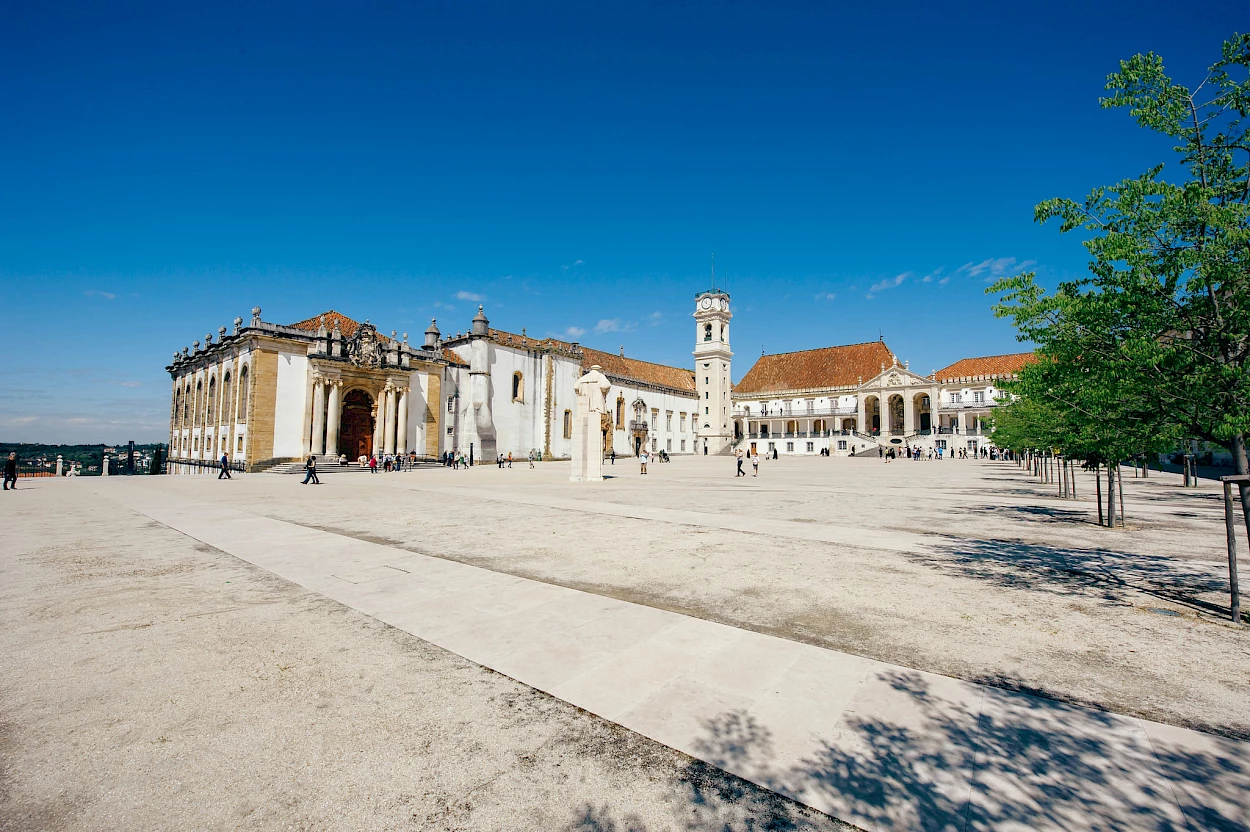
point(571, 166)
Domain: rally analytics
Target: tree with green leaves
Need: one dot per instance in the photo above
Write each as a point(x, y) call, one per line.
point(1155, 340)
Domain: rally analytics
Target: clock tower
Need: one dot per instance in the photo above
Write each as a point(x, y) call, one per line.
point(713, 419)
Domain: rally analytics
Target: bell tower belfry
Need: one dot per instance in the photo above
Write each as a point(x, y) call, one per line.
point(712, 357)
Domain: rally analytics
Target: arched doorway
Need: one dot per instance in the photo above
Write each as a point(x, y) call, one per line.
point(356, 424)
point(896, 414)
point(920, 406)
point(872, 414)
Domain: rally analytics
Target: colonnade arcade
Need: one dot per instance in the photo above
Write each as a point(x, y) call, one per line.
point(357, 413)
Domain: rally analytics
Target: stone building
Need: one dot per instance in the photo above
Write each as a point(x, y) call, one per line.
point(268, 393)
point(854, 398)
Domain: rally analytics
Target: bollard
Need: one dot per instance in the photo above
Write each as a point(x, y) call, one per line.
point(104, 466)
point(60, 466)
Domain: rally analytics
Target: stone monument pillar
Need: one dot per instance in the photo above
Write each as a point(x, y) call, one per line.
point(587, 455)
point(60, 466)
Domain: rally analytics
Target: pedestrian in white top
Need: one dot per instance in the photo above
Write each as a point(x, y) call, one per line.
point(642, 458)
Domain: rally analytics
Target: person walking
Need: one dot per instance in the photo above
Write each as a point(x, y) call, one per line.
point(373, 463)
point(509, 459)
point(614, 456)
point(740, 473)
point(225, 466)
point(755, 464)
point(499, 462)
point(642, 459)
point(310, 471)
point(10, 472)
point(531, 457)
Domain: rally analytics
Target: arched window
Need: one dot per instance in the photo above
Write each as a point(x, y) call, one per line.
point(568, 424)
point(243, 394)
point(518, 388)
point(707, 332)
point(212, 399)
point(186, 404)
point(199, 401)
point(620, 413)
point(226, 399)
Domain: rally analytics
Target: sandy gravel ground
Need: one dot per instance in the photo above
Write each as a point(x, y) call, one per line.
point(1014, 586)
point(151, 682)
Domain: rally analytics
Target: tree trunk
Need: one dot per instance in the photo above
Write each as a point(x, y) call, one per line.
point(1120, 482)
point(1111, 476)
point(1098, 491)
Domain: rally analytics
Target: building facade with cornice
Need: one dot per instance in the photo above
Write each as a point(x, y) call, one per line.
point(265, 393)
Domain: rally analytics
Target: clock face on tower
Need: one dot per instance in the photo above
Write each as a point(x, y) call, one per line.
point(706, 303)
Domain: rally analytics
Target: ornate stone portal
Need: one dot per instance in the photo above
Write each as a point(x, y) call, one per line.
point(587, 455)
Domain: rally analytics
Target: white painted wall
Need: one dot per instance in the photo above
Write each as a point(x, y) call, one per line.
point(292, 393)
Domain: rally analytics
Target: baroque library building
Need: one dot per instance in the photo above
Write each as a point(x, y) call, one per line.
point(266, 394)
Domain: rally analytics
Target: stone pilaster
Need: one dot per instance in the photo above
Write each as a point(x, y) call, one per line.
point(333, 418)
point(401, 422)
point(319, 416)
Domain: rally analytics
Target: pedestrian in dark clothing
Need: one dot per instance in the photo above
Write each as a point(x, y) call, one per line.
point(10, 473)
point(225, 466)
point(310, 475)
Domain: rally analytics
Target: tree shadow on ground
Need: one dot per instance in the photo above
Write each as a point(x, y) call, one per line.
point(1045, 514)
point(1062, 570)
point(999, 761)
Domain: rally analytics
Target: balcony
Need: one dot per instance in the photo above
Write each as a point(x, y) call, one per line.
point(794, 412)
point(968, 405)
point(638, 426)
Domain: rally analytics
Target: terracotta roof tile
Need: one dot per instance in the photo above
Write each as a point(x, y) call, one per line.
point(660, 375)
point(816, 369)
point(990, 366)
point(346, 325)
point(454, 358)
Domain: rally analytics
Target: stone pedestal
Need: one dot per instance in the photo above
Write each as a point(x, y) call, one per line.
point(587, 453)
point(60, 466)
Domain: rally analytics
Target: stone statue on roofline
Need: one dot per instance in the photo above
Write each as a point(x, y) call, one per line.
point(587, 453)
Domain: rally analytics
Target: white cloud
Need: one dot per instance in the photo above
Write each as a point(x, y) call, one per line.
point(21, 420)
point(95, 293)
point(888, 283)
point(574, 332)
point(931, 276)
point(825, 296)
point(995, 267)
point(655, 319)
point(578, 262)
point(463, 295)
point(608, 325)
point(132, 384)
point(944, 280)
point(438, 304)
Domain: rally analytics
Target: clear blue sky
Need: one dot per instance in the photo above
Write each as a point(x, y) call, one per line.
point(855, 167)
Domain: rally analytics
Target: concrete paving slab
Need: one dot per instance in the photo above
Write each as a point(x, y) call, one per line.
point(882, 746)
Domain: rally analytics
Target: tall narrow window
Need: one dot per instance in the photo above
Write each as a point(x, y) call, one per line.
point(568, 424)
point(707, 332)
point(243, 394)
point(518, 388)
point(227, 402)
point(212, 399)
point(199, 401)
point(620, 413)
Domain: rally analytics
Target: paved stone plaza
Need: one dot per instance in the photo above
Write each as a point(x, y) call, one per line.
point(858, 636)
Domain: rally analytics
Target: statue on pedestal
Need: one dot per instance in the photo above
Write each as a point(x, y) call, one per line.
point(587, 455)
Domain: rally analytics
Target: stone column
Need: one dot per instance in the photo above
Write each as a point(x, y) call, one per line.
point(60, 466)
point(389, 435)
point(306, 433)
point(333, 418)
point(401, 422)
point(379, 413)
point(909, 414)
point(319, 417)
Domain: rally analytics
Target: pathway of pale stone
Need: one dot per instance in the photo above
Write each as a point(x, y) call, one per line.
point(878, 745)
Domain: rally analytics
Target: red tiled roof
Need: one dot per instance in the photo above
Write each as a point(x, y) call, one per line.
point(816, 369)
point(660, 375)
point(454, 358)
point(990, 366)
point(346, 325)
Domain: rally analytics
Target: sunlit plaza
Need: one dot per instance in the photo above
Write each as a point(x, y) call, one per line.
point(892, 645)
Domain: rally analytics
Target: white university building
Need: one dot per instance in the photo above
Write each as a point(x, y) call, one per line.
point(267, 393)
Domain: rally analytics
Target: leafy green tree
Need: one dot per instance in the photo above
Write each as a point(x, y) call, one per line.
point(1155, 340)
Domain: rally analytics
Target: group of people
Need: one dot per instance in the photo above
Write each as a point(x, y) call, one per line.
point(455, 460)
point(507, 460)
point(754, 456)
point(918, 453)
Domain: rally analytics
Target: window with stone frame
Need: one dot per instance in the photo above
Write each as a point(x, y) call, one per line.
point(568, 424)
point(227, 402)
point(620, 413)
point(518, 387)
point(244, 392)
